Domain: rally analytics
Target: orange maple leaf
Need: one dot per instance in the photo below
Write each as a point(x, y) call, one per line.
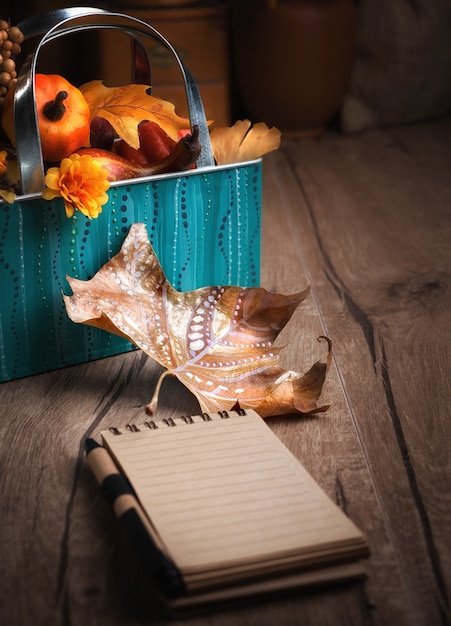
point(126, 106)
point(218, 341)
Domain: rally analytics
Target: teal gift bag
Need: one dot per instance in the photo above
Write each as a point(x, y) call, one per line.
point(204, 224)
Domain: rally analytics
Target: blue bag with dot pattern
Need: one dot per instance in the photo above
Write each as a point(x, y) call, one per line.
point(204, 225)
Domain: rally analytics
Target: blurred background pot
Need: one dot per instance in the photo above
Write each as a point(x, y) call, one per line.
point(292, 60)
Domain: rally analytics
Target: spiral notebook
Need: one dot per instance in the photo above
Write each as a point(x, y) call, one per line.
point(232, 509)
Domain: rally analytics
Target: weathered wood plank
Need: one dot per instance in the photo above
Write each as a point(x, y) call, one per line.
point(64, 557)
point(329, 445)
point(374, 232)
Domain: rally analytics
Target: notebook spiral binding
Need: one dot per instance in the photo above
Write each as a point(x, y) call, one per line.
point(169, 421)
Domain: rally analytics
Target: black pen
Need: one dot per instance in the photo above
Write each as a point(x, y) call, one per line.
point(122, 499)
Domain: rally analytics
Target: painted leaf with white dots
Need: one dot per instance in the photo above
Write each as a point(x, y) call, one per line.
point(218, 341)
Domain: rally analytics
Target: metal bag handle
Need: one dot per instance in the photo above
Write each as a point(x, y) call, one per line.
point(40, 25)
point(58, 24)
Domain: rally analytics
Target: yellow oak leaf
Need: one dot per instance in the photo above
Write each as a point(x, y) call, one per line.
point(126, 106)
point(218, 341)
point(240, 142)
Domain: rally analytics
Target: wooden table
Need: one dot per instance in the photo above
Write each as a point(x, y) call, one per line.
point(367, 220)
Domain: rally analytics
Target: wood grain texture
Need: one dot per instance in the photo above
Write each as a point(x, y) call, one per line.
point(374, 230)
point(366, 221)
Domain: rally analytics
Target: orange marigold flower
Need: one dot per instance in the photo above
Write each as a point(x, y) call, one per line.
point(3, 166)
point(82, 183)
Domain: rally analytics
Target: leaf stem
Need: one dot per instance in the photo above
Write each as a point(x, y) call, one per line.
point(151, 407)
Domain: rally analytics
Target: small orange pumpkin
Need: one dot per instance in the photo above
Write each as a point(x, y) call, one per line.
point(63, 116)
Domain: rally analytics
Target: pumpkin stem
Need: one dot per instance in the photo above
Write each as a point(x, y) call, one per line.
point(54, 110)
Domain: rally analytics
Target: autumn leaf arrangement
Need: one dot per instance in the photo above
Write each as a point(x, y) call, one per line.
point(218, 341)
point(94, 135)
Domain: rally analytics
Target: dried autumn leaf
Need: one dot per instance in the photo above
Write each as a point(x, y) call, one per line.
point(126, 106)
point(218, 341)
point(7, 195)
point(9, 177)
point(240, 142)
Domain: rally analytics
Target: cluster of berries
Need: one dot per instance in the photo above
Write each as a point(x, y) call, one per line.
point(10, 45)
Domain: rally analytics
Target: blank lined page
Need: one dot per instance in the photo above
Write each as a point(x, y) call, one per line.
point(227, 491)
